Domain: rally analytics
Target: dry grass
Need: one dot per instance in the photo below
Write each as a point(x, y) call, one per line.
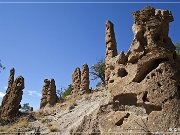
point(21, 124)
point(88, 96)
point(52, 128)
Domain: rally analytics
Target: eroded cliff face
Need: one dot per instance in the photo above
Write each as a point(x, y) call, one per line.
point(143, 84)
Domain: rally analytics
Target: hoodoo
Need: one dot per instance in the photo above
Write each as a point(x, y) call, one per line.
point(13, 97)
point(143, 85)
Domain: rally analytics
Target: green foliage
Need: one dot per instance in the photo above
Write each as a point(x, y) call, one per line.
point(62, 94)
point(98, 71)
point(25, 107)
point(177, 45)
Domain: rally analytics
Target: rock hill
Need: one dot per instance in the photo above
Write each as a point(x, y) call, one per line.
point(141, 95)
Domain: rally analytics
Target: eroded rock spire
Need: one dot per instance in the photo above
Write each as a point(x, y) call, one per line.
point(13, 97)
point(76, 81)
point(111, 47)
point(49, 96)
point(85, 78)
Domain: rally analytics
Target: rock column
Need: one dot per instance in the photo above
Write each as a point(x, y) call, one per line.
point(49, 96)
point(10, 82)
point(111, 47)
point(44, 93)
point(76, 81)
point(85, 78)
point(11, 106)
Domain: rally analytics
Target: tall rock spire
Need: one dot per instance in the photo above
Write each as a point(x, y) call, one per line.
point(13, 97)
point(111, 48)
point(49, 96)
point(10, 82)
point(76, 81)
point(85, 78)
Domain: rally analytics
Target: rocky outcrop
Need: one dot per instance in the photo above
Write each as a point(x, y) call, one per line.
point(44, 93)
point(10, 82)
point(76, 81)
point(49, 96)
point(85, 78)
point(150, 28)
point(144, 84)
point(111, 49)
point(13, 97)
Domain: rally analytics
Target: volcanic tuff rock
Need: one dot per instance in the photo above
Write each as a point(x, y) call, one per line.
point(76, 81)
point(49, 96)
point(144, 84)
point(12, 99)
point(142, 93)
point(85, 78)
point(80, 81)
point(111, 49)
point(10, 82)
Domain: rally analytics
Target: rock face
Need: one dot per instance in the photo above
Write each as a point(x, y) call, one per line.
point(143, 84)
point(44, 93)
point(80, 81)
point(13, 97)
point(49, 96)
point(10, 82)
point(76, 81)
point(150, 30)
point(85, 78)
point(111, 49)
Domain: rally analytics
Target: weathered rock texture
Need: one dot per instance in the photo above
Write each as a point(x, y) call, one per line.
point(13, 97)
point(10, 82)
point(49, 96)
point(150, 30)
point(111, 49)
point(76, 81)
point(144, 84)
point(85, 78)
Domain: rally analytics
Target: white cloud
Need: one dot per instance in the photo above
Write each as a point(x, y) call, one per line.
point(2, 94)
point(33, 93)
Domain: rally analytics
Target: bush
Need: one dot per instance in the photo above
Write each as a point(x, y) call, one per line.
point(66, 92)
point(98, 71)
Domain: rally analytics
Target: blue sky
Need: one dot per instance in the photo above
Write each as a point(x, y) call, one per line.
point(50, 40)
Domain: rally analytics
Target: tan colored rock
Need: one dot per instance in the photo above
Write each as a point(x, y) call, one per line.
point(10, 82)
point(111, 49)
point(44, 93)
point(145, 90)
point(150, 28)
point(122, 58)
point(49, 96)
point(85, 78)
point(10, 108)
point(76, 81)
